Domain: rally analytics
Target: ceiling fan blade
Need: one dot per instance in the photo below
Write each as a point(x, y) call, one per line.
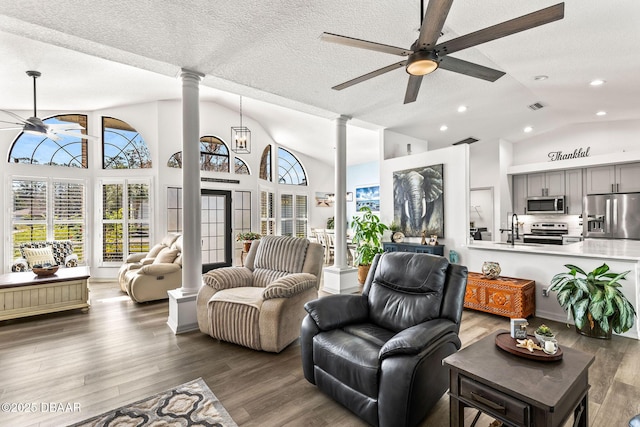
point(16, 128)
point(431, 27)
point(525, 22)
point(74, 134)
point(15, 116)
point(65, 126)
point(413, 86)
point(370, 75)
point(11, 123)
point(470, 69)
point(364, 44)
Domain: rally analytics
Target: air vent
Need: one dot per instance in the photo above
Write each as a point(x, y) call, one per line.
point(469, 140)
point(536, 106)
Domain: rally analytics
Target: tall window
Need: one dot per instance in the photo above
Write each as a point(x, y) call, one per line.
point(290, 169)
point(293, 215)
point(214, 155)
point(123, 147)
point(267, 215)
point(174, 209)
point(242, 211)
point(48, 209)
point(126, 219)
point(70, 151)
point(265, 164)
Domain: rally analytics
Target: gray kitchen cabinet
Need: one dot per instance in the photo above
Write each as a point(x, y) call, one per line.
point(545, 184)
point(621, 178)
point(519, 193)
point(573, 191)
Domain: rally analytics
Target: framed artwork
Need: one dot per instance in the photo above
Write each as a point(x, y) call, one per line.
point(368, 195)
point(418, 201)
point(324, 199)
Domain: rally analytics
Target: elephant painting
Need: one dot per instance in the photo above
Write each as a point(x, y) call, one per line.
point(418, 201)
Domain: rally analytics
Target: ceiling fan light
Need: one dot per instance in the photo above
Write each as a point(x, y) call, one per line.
point(422, 62)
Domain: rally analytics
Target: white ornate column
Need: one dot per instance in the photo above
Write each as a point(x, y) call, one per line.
point(340, 278)
point(182, 301)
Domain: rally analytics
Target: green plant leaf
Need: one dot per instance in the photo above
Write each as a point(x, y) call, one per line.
point(597, 309)
point(600, 270)
point(580, 309)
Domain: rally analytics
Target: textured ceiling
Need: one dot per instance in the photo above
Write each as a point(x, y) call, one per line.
point(101, 54)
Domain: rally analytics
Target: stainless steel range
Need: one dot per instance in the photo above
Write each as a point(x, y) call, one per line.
point(548, 233)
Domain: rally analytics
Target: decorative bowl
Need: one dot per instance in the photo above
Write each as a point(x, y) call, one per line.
point(45, 271)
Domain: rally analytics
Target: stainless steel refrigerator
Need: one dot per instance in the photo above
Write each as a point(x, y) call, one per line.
point(612, 216)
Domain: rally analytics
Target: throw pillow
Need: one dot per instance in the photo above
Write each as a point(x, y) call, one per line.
point(40, 256)
point(166, 256)
point(154, 251)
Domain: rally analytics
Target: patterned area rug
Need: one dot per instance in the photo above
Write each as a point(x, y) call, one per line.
point(191, 404)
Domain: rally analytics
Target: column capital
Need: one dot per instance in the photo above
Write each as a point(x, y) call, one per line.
point(186, 74)
point(342, 119)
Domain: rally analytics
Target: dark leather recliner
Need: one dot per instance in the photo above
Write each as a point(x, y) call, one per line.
point(380, 353)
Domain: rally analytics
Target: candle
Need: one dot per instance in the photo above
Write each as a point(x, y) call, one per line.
point(550, 346)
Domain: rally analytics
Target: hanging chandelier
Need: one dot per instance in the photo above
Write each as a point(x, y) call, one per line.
point(241, 136)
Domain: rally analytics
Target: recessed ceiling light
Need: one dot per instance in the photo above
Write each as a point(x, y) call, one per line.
point(462, 109)
point(541, 77)
point(601, 113)
point(528, 129)
point(596, 82)
point(443, 128)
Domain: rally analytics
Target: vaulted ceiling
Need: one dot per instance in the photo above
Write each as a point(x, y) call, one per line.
point(100, 54)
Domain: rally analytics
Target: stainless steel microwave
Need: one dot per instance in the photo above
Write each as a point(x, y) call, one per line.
point(545, 205)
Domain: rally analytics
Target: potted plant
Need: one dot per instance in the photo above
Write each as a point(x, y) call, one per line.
point(367, 237)
point(543, 333)
point(594, 300)
point(247, 238)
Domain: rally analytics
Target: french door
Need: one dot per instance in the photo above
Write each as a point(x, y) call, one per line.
point(215, 229)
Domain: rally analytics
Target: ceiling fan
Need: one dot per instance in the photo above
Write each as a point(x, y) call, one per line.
point(36, 126)
point(425, 55)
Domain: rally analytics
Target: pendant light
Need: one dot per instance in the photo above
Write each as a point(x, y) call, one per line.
point(241, 136)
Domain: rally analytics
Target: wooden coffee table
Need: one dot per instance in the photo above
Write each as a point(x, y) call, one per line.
point(515, 390)
point(25, 294)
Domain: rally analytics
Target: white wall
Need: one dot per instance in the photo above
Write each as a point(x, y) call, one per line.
point(361, 175)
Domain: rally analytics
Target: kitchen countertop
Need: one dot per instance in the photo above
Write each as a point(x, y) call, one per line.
point(591, 248)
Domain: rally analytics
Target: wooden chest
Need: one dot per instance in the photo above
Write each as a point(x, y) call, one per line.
point(504, 296)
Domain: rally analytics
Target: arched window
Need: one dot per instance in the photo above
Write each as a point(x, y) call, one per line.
point(290, 170)
point(122, 146)
point(265, 164)
point(214, 155)
point(241, 167)
point(69, 151)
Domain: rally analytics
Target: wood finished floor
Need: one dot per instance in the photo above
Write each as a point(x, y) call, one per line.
point(120, 352)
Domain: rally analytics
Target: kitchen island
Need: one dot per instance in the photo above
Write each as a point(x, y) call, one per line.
point(541, 262)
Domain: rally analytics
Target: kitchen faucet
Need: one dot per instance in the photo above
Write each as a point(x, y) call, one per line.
point(514, 224)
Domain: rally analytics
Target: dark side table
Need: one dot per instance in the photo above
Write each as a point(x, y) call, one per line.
point(515, 390)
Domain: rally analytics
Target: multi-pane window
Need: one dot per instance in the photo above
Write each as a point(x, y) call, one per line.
point(241, 167)
point(48, 209)
point(293, 215)
point(267, 218)
point(174, 210)
point(214, 156)
point(126, 219)
point(290, 169)
point(69, 150)
point(123, 147)
point(242, 211)
point(265, 164)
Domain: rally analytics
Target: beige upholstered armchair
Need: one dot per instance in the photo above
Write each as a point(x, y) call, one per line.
point(261, 305)
point(148, 276)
